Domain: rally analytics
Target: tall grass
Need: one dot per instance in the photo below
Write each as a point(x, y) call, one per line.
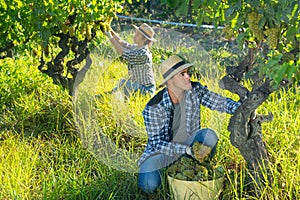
point(43, 156)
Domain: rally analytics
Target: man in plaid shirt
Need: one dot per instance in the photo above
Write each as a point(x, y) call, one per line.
point(139, 59)
point(172, 119)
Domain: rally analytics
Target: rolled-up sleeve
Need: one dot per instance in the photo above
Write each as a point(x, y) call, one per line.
point(216, 101)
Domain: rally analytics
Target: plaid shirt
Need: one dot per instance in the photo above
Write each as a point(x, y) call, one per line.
point(139, 64)
point(157, 118)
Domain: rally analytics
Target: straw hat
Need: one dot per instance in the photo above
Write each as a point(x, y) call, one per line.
point(146, 30)
point(171, 67)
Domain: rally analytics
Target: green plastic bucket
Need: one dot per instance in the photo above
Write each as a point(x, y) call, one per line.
point(195, 190)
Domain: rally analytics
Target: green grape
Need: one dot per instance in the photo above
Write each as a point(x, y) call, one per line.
point(82, 28)
point(102, 27)
point(180, 176)
point(88, 32)
point(71, 31)
point(64, 29)
point(107, 26)
point(201, 152)
point(228, 32)
point(172, 169)
point(253, 20)
point(272, 37)
point(189, 173)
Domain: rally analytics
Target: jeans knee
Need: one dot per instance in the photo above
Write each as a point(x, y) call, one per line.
point(207, 136)
point(212, 135)
point(149, 182)
point(150, 186)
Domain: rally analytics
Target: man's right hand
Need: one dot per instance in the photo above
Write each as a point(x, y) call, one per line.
point(202, 152)
point(199, 151)
point(108, 34)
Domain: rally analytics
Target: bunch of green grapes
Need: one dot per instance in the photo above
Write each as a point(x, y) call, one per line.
point(201, 152)
point(272, 37)
point(68, 28)
point(253, 20)
point(188, 169)
point(228, 32)
point(85, 28)
point(105, 25)
point(65, 28)
point(88, 31)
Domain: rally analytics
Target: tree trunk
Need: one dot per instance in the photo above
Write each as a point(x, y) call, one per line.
point(245, 125)
point(63, 67)
point(246, 135)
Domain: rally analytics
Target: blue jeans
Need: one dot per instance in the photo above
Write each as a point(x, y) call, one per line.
point(149, 177)
point(130, 87)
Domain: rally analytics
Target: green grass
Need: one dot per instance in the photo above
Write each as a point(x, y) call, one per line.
point(46, 153)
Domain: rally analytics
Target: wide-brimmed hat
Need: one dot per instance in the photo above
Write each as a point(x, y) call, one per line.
point(172, 66)
point(147, 31)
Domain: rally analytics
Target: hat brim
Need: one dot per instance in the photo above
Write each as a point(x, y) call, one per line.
point(176, 71)
point(148, 38)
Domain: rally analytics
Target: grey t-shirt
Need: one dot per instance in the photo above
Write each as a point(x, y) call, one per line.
point(179, 123)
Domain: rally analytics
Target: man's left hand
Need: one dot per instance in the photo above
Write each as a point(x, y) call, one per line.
point(189, 151)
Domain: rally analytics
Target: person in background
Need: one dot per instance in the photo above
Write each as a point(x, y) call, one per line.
point(139, 58)
point(172, 120)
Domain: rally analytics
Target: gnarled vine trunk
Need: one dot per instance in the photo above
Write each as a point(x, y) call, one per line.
point(245, 124)
point(66, 73)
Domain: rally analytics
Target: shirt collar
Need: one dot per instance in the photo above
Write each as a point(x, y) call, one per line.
point(167, 99)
